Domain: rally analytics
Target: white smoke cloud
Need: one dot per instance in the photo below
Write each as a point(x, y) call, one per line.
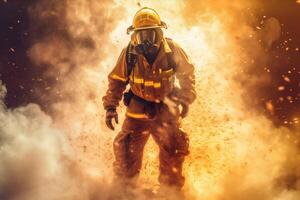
point(34, 156)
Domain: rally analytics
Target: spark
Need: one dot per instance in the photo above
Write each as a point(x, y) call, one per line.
point(281, 88)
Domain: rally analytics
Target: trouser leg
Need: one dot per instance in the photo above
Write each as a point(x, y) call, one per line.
point(128, 148)
point(173, 144)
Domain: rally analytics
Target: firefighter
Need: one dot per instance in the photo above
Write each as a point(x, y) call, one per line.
point(150, 64)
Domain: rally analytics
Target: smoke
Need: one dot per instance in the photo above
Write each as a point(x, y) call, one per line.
point(34, 156)
point(76, 52)
point(236, 150)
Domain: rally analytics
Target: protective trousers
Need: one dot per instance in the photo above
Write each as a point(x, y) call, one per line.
point(173, 147)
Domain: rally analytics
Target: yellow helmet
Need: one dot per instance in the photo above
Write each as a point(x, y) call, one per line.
point(146, 18)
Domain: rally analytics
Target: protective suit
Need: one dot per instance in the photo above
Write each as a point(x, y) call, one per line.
point(153, 102)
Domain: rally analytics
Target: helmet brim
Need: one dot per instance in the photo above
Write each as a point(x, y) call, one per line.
point(131, 28)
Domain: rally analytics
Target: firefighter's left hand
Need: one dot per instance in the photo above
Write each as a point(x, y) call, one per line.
point(175, 97)
point(184, 110)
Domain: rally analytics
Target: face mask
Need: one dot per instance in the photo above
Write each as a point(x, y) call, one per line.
point(146, 41)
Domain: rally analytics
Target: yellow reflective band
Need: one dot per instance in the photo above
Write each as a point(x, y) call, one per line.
point(138, 80)
point(115, 76)
point(149, 83)
point(157, 85)
point(137, 116)
point(146, 83)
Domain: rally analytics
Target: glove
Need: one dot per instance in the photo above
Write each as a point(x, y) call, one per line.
point(110, 115)
point(176, 98)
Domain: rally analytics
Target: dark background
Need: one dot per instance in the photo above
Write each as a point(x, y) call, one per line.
point(18, 32)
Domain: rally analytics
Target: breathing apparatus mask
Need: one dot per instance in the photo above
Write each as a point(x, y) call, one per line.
point(147, 41)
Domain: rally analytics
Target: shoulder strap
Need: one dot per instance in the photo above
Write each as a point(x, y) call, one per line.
point(170, 56)
point(130, 59)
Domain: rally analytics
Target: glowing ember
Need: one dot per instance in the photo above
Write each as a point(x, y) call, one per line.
point(281, 88)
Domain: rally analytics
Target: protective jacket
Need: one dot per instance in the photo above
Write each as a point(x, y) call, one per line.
point(152, 83)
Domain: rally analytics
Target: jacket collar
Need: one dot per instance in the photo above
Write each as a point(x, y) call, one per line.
point(166, 46)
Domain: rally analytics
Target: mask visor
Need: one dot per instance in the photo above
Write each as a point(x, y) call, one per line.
point(146, 36)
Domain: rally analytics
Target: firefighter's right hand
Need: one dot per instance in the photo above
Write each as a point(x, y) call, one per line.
point(110, 115)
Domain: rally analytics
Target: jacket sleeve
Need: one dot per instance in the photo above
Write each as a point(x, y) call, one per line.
point(185, 73)
point(118, 80)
